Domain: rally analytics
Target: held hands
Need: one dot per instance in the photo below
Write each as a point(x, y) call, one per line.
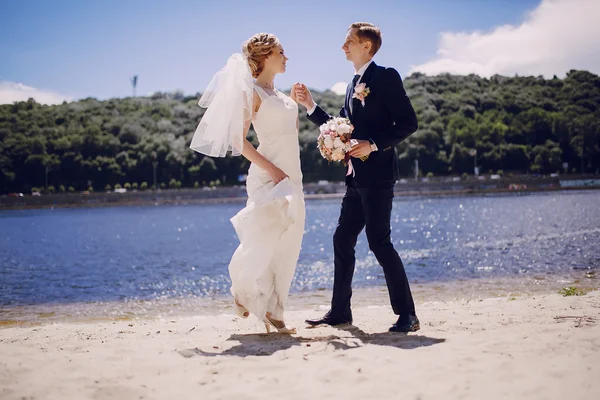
point(276, 174)
point(361, 149)
point(302, 95)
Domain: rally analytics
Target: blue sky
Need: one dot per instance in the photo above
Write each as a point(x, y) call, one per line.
point(91, 48)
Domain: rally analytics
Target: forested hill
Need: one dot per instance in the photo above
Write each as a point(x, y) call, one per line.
point(516, 124)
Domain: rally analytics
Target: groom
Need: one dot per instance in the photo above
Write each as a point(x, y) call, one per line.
point(383, 116)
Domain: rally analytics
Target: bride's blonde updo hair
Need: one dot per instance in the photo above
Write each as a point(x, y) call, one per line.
point(257, 49)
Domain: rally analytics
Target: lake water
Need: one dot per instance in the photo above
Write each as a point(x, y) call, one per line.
point(67, 256)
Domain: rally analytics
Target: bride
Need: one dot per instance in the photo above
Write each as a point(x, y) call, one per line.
point(271, 226)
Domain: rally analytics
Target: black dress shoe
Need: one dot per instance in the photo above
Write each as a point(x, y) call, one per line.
point(329, 319)
point(404, 325)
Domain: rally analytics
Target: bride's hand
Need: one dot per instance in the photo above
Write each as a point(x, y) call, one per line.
point(293, 94)
point(277, 174)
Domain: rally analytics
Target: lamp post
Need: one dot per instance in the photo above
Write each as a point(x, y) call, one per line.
point(134, 81)
point(46, 180)
point(416, 170)
point(154, 165)
point(582, 150)
point(473, 152)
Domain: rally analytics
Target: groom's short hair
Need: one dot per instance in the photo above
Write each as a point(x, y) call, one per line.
point(370, 32)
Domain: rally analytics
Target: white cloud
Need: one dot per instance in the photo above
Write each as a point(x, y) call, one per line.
point(557, 36)
point(12, 91)
point(339, 88)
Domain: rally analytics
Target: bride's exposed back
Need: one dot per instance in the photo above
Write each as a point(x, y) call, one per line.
point(271, 226)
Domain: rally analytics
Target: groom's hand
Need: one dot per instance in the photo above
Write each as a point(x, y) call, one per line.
point(303, 95)
point(361, 149)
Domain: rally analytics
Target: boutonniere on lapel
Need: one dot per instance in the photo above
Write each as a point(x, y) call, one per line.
point(361, 91)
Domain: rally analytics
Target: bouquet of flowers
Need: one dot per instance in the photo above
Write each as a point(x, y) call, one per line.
point(334, 141)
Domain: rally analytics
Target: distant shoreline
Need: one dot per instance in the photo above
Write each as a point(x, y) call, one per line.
point(427, 187)
point(173, 200)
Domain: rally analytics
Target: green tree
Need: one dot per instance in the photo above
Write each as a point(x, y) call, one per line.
point(509, 120)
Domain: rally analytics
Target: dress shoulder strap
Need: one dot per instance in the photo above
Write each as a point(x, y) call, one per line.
point(261, 92)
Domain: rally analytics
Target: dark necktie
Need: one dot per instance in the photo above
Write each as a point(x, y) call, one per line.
point(354, 82)
point(350, 170)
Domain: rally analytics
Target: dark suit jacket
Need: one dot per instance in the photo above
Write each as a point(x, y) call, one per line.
point(387, 118)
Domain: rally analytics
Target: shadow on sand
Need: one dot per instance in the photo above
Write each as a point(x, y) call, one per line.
point(268, 344)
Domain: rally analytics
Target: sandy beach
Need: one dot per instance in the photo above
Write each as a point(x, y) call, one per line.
point(537, 346)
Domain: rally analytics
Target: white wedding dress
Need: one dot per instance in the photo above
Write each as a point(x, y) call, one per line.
point(271, 226)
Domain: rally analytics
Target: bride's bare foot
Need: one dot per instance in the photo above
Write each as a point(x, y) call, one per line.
point(279, 325)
